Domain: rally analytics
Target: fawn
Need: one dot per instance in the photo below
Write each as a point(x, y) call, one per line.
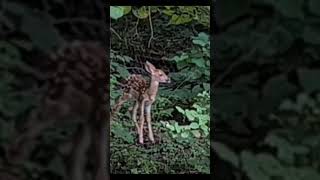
point(144, 94)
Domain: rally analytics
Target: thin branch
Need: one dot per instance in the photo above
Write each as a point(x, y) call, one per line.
point(151, 27)
point(136, 28)
point(112, 30)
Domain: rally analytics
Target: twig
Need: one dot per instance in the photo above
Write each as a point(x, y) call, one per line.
point(136, 27)
point(116, 33)
point(151, 27)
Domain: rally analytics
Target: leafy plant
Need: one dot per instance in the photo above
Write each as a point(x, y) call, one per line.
point(194, 66)
point(198, 117)
point(117, 12)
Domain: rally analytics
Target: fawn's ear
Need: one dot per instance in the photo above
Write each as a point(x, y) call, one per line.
point(149, 67)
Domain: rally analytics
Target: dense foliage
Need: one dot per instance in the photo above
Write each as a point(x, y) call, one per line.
point(181, 111)
point(265, 90)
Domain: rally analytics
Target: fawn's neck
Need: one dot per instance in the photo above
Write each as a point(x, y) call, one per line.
point(153, 89)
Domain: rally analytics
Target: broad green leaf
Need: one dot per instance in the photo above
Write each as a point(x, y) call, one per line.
point(185, 134)
point(194, 125)
point(202, 39)
point(126, 9)
point(196, 133)
point(204, 128)
point(180, 19)
point(206, 86)
point(177, 127)
point(168, 12)
point(116, 12)
point(141, 13)
point(170, 127)
point(182, 57)
point(192, 114)
point(200, 62)
point(180, 109)
point(199, 42)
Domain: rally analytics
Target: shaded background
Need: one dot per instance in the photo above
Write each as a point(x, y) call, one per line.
point(53, 114)
point(266, 90)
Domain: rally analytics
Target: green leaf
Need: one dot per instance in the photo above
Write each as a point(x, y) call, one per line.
point(200, 62)
point(309, 79)
point(191, 114)
point(134, 171)
point(206, 86)
point(182, 57)
point(116, 12)
point(180, 109)
point(204, 128)
point(177, 127)
point(168, 12)
point(126, 9)
point(225, 153)
point(141, 13)
point(170, 127)
point(180, 19)
point(202, 39)
point(196, 133)
point(194, 125)
point(185, 134)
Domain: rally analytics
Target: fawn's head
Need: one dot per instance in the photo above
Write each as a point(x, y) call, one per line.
point(157, 74)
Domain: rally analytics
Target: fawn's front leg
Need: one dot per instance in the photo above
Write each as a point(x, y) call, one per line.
point(148, 111)
point(141, 121)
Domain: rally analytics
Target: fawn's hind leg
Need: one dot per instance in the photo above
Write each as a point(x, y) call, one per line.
point(134, 115)
point(141, 121)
